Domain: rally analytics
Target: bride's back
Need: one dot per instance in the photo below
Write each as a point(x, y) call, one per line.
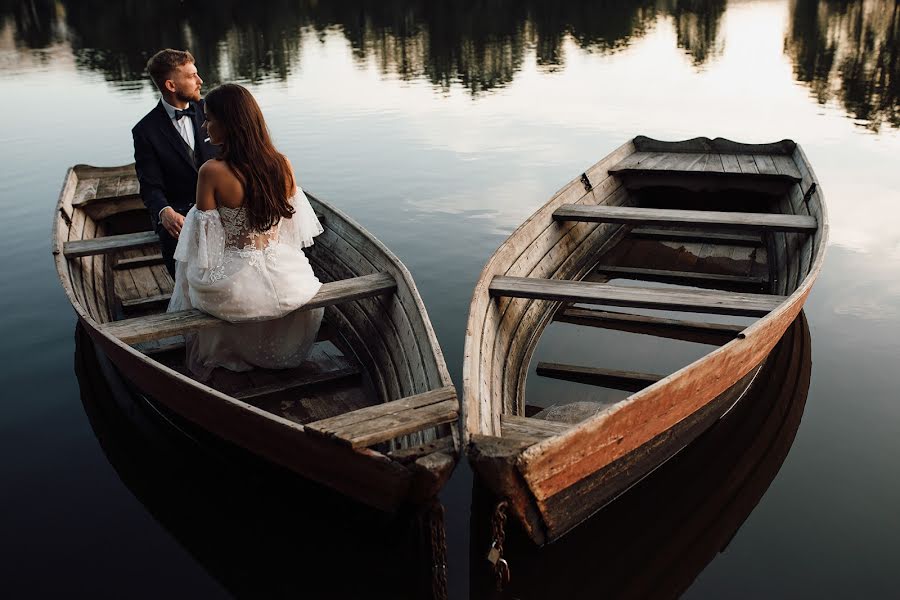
point(251, 184)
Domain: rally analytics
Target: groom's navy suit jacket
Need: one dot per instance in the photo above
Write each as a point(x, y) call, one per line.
point(165, 169)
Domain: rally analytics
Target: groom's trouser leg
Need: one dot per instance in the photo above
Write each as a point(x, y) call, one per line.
point(167, 245)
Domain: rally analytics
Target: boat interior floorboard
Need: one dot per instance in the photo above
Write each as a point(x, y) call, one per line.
point(329, 383)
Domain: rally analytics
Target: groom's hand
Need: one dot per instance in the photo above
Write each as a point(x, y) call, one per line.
point(172, 221)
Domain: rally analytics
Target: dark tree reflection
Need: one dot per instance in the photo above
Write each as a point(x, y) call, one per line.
point(848, 51)
point(479, 44)
point(697, 27)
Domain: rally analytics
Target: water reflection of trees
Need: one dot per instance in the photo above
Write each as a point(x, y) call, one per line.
point(849, 51)
point(480, 44)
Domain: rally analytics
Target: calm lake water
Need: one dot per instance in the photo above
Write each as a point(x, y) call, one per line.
point(440, 127)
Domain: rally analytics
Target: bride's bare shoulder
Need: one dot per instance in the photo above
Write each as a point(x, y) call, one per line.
point(214, 169)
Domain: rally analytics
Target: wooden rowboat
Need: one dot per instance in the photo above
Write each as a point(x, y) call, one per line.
point(699, 213)
point(372, 414)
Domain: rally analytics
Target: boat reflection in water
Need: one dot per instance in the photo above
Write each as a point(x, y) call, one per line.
point(653, 540)
point(257, 529)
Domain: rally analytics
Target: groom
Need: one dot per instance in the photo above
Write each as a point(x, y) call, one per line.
point(170, 145)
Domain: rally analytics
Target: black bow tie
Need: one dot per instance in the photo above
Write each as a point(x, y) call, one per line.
point(189, 112)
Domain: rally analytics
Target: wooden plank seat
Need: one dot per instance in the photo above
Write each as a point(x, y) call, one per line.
point(693, 218)
point(157, 326)
point(684, 300)
point(629, 381)
point(383, 422)
point(769, 166)
point(688, 331)
point(108, 244)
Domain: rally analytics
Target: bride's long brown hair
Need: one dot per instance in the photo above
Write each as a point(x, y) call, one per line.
point(247, 148)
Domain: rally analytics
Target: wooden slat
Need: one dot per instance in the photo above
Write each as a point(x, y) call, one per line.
point(303, 379)
point(722, 164)
point(747, 164)
point(383, 422)
point(161, 346)
point(405, 455)
point(700, 164)
point(725, 303)
point(327, 426)
point(696, 218)
point(527, 428)
point(151, 327)
point(730, 163)
point(714, 164)
point(629, 381)
point(393, 426)
point(685, 277)
point(786, 166)
point(688, 331)
point(765, 164)
point(110, 243)
point(148, 301)
point(139, 261)
point(683, 235)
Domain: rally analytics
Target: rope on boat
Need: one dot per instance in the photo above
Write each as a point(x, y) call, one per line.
point(434, 515)
point(495, 554)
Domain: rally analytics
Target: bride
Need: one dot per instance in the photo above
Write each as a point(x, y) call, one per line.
point(240, 252)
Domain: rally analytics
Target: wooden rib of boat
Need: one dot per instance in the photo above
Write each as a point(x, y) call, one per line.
point(373, 412)
point(744, 222)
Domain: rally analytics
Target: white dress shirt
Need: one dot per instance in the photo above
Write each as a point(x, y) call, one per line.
point(184, 126)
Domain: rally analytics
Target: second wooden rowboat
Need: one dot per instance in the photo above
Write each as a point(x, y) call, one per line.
point(744, 221)
point(372, 414)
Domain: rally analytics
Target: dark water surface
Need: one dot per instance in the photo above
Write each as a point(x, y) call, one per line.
point(441, 126)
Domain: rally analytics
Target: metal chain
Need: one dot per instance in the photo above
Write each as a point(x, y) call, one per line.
point(438, 539)
point(495, 554)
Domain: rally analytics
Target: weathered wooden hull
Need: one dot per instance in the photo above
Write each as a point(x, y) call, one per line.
point(554, 483)
point(389, 335)
point(655, 539)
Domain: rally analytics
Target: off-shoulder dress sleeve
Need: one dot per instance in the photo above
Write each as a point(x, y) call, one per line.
point(201, 243)
point(303, 226)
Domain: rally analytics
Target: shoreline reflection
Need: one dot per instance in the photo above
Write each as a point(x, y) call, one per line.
point(478, 45)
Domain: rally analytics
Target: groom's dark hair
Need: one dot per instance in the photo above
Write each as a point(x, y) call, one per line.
point(163, 63)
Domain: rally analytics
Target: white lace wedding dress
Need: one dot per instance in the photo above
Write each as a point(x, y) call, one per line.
point(255, 281)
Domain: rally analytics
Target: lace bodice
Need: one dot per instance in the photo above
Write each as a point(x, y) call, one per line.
point(239, 235)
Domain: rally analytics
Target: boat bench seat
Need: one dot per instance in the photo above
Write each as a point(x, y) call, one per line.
point(693, 218)
point(383, 422)
point(158, 326)
point(684, 300)
point(775, 164)
point(109, 244)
